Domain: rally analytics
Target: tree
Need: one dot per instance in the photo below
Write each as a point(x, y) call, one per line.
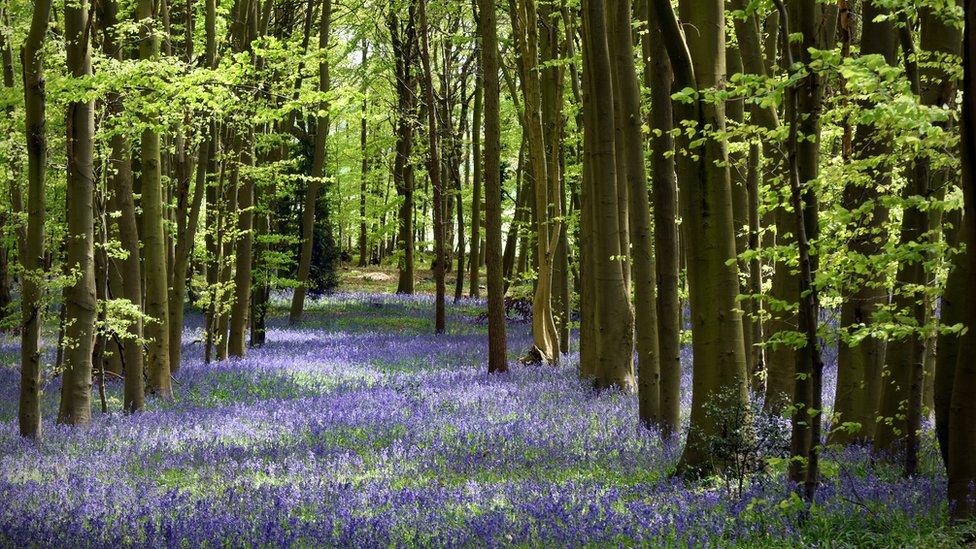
point(364, 167)
point(488, 49)
point(121, 200)
point(627, 90)
point(859, 366)
point(318, 168)
point(29, 416)
point(404, 41)
point(80, 300)
point(525, 28)
point(611, 337)
point(962, 413)
point(433, 168)
point(153, 240)
point(474, 262)
point(698, 61)
point(658, 78)
point(804, 100)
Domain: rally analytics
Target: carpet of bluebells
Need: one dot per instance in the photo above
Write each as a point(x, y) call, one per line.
point(362, 429)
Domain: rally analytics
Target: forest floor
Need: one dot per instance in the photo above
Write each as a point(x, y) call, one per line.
point(363, 429)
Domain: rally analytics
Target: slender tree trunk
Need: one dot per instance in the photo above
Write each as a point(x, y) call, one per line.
point(803, 164)
point(488, 30)
point(403, 39)
point(153, 239)
point(735, 113)
point(511, 239)
point(318, 170)
point(261, 288)
point(474, 263)
point(433, 169)
point(553, 124)
point(122, 201)
point(7, 226)
point(954, 301)
point(80, 300)
point(545, 337)
point(627, 89)
point(29, 415)
point(225, 237)
point(658, 78)
point(364, 170)
point(237, 339)
point(182, 255)
point(770, 371)
point(187, 215)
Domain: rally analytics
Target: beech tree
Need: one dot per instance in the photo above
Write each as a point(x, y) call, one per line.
point(698, 62)
point(318, 168)
point(29, 417)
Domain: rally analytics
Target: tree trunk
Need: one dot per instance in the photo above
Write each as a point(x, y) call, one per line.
point(962, 412)
point(859, 366)
point(29, 415)
point(544, 336)
point(237, 339)
point(804, 104)
point(433, 169)
point(488, 29)
point(719, 356)
point(642, 267)
point(7, 226)
point(903, 376)
point(735, 110)
point(613, 321)
point(404, 39)
point(318, 169)
point(122, 201)
point(953, 311)
point(658, 78)
point(80, 300)
point(364, 170)
point(511, 239)
point(474, 262)
point(153, 239)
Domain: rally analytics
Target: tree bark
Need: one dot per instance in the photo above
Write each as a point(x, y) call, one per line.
point(488, 29)
point(627, 89)
point(719, 357)
point(122, 201)
point(404, 46)
point(153, 239)
point(29, 415)
point(317, 172)
point(545, 338)
point(433, 169)
point(474, 262)
point(613, 321)
point(962, 412)
point(80, 300)
point(364, 169)
point(237, 339)
point(658, 78)
point(859, 366)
